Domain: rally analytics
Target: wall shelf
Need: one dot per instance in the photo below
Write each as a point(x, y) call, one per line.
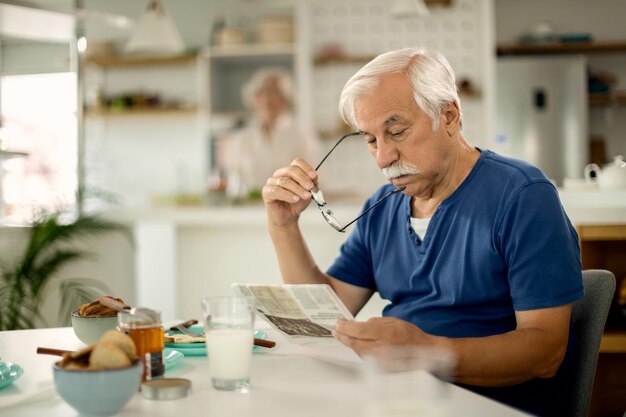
point(253, 50)
point(617, 98)
point(561, 48)
point(157, 111)
point(11, 154)
point(131, 60)
point(343, 59)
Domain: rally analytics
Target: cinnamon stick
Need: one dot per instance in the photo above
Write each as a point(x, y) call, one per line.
point(264, 343)
point(51, 351)
point(187, 324)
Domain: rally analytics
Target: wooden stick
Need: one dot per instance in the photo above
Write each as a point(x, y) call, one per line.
point(51, 351)
point(187, 324)
point(264, 343)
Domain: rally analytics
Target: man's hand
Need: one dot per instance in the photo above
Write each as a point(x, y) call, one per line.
point(288, 192)
point(379, 331)
point(534, 349)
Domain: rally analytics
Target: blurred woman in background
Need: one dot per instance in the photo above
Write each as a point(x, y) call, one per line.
point(270, 140)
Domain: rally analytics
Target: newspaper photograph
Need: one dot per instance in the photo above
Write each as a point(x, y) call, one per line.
point(298, 310)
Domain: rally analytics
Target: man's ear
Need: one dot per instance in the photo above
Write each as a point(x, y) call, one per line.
point(452, 118)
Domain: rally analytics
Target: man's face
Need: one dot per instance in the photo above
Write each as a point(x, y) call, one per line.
point(397, 132)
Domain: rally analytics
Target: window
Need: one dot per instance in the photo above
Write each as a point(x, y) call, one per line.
point(39, 118)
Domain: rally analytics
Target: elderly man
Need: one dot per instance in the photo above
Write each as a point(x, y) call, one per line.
point(475, 254)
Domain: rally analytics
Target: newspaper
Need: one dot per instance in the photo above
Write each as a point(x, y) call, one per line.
point(297, 310)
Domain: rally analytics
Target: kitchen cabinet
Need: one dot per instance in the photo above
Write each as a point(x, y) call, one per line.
point(604, 246)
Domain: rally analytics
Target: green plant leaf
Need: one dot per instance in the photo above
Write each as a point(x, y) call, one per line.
point(51, 263)
point(52, 244)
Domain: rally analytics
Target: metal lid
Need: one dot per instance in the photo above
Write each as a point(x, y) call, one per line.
point(166, 388)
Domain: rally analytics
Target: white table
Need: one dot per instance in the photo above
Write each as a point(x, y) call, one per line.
point(289, 380)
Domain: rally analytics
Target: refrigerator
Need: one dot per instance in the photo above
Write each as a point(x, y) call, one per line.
point(542, 113)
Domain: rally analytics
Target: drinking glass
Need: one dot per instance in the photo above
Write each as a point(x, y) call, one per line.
point(407, 381)
point(229, 323)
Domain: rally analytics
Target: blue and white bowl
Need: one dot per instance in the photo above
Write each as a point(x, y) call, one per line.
point(98, 393)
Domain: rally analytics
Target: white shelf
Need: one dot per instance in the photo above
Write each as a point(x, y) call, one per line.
point(249, 51)
point(146, 111)
point(11, 154)
point(112, 61)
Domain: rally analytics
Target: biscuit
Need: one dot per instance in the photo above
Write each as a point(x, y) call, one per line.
point(122, 341)
point(183, 338)
point(106, 355)
point(97, 309)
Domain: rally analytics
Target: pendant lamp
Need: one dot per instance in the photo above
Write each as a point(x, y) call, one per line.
point(155, 32)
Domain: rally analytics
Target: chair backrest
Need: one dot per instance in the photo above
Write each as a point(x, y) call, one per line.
point(588, 318)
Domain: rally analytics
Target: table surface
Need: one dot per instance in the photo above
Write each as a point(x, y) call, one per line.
point(288, 380)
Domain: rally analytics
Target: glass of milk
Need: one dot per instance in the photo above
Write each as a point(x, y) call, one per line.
point(407, 381)
point(229, 323)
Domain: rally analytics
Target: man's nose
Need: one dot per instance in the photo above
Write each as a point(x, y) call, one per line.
point(386, 154)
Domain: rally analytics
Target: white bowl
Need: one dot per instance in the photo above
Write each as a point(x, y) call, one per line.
point(100, 393)
point(90, 329)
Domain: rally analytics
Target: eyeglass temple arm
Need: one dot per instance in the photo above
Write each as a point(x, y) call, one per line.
point(333, 148)
point(380, 200)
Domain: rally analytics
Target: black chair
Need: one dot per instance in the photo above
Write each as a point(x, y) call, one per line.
point(588, 318)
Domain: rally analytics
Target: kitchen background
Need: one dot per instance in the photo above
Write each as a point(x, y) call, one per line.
point(154, 157)
point(151, 123)
point(156, 160)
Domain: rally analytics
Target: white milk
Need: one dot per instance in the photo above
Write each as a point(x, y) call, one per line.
point(230, 353)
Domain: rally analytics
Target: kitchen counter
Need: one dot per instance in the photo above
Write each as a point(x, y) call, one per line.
point(198, 251)
point(235, 214)
point(180, 254)
point(594, 206)
point(589, 207)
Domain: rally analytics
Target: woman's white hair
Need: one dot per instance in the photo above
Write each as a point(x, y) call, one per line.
point(260, 77)
point(431, 77)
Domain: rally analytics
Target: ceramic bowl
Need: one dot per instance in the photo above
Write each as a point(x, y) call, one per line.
point(90, 329)
point(99, 393)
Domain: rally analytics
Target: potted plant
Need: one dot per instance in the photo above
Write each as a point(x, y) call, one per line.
point(26, 281)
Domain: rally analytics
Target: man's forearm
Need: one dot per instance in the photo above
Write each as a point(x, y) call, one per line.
point(505, 359)
point(296, 263)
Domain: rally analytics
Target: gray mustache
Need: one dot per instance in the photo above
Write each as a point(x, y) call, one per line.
point(398, 169)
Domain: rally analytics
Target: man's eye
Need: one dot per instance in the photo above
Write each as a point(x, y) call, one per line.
point(398, 133)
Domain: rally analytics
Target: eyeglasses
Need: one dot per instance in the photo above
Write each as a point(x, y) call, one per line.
point(327, 213)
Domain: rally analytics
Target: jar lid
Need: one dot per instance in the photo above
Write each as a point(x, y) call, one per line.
point(166, 388)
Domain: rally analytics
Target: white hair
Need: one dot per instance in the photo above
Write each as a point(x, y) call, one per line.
point(431, 77)
point(260, 77)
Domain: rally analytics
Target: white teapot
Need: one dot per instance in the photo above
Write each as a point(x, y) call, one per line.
point(612, 177)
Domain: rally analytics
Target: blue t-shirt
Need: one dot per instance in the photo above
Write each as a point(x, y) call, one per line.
point(500, 243)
